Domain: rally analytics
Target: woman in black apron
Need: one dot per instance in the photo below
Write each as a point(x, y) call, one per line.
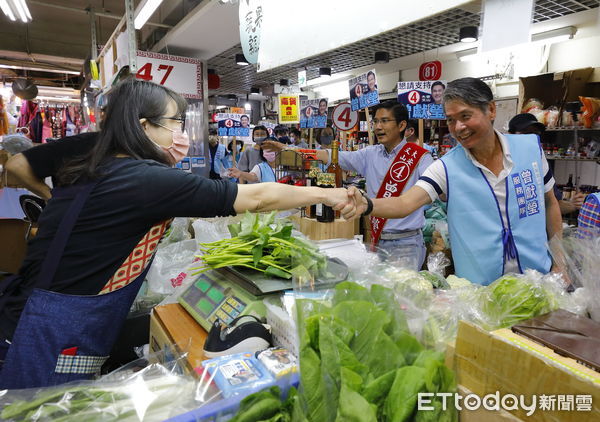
point(60, 315)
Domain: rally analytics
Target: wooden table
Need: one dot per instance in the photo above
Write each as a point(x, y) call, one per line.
point(173, 329)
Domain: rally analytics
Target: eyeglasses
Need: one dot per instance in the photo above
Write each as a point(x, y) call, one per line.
point(178, 119)
point(375, 122)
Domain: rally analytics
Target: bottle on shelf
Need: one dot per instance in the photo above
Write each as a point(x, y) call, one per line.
point(334, 167)
point(313, 172)
point(568, 189)
point(325, 213)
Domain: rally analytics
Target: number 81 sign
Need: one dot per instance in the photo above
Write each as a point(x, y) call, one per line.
point(343, 117)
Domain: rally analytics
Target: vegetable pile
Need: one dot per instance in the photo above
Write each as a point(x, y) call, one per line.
point(358, 361)
point(260, 243)
point(513, 298)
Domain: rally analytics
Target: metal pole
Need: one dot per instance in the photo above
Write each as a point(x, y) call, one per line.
point(132, 44)
point(94, 38)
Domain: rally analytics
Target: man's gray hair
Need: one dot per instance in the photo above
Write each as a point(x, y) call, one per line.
point(471, 91)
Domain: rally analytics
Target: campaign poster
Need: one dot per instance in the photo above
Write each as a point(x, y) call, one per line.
point(232, 124)
point(313, 113)
point(363, 90)
point(289, 109)
point(423, 99)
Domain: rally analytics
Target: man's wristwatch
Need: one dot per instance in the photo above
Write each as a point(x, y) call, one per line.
point(369, 209)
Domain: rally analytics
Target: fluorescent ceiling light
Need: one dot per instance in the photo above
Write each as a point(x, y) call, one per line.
point(145, 11)
point(22, 10)
point(7, 10)
point(248, 106)
point(466, 55)
point(39, 69)
point(555, 35)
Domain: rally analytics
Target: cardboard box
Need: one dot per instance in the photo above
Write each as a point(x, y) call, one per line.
point(558, 88)
point(172, 329)
point(338, 229)
point(486, 362)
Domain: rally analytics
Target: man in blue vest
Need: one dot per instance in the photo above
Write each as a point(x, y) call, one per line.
point(501, 205)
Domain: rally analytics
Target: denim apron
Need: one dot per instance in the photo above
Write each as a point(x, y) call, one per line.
point(60, 337)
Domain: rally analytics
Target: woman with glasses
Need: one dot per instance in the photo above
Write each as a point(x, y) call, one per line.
point(60, 315)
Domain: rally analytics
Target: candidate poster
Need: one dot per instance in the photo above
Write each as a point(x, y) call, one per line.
point(313, 113)
point(231, 124)
point(423, 99)
point(363, 90)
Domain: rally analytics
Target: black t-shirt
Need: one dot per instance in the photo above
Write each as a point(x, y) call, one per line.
point(47, 159)
point(118, 213)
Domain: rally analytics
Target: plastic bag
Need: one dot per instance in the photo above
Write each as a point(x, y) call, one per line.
point(169, 262)
point(576, 253)
point(154, 392)
point(213, 229)
point(177, 232)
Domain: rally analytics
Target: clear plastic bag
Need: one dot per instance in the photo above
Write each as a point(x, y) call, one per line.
point(169, 262)
point(135, 393)
point(177, 232)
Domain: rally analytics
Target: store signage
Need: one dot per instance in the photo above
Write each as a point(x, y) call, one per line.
point(251, 18)
point(181, 74)
point(232, 124)
point(423, 99)
point(302, 78)
point(344, 118)
point(363, 90)
point(313, 113)
point(289, 109)
point(430, 71)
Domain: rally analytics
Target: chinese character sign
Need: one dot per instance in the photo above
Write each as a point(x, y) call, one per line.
point(528, 198)
point(233, 124)
point(423, 99)
point(251, 19)
point(313, 113)
point(289, 109)
point(363, 90)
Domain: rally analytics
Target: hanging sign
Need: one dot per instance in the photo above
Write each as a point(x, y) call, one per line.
point(343, 117)
point(231, 124)
point(423, 99)
point(313, 113)
point(288, 109)
point(430, 71)
point(251, 17)
point(363, 90)
point(181, 74)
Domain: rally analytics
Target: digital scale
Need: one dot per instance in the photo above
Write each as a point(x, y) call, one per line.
point(227, 293)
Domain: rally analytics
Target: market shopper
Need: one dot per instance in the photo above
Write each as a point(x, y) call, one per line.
point(391, 167)
point(501, 206)
point(296, 138)
point(261, 172)
point(251, 155)
point(60, 315)
point(218, 156)
point(526, 123)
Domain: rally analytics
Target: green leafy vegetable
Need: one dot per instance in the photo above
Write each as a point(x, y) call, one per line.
point(260, 243)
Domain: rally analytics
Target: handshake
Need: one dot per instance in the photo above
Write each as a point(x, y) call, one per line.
point(349, 202)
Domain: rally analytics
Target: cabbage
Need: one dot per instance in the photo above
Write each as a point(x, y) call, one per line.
point(457, 282)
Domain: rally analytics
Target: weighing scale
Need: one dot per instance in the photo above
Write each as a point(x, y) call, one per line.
point(228, 292)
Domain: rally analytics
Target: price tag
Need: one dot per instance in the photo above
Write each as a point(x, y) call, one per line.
point(343, 117)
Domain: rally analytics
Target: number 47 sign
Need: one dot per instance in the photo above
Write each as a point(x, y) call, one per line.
point(181, 74)
point(343, 117)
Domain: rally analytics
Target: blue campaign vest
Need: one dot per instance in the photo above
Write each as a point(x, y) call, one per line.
point(480, 243)
point(266, 172)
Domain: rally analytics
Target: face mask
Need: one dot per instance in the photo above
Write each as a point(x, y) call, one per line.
point(269, 156)
point(178, 149)
point(260, 140)
point(326, 140)
point(238, 148)
point(284, 139)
